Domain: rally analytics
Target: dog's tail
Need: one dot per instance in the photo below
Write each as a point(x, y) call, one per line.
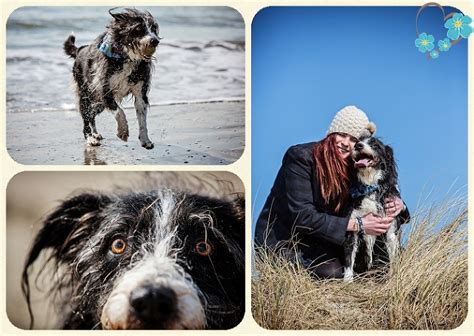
point(69, 48)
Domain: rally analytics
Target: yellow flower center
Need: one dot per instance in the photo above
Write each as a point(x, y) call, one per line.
point(458, 24)
point(424, 42)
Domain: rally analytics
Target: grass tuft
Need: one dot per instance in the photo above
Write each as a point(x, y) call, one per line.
point(426, 287)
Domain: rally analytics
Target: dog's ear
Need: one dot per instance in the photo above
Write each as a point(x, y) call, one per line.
point(234, 223)
point(70, 221)
point(121, 16)
point(62, 231)
point(389, 153)
point(391, 166)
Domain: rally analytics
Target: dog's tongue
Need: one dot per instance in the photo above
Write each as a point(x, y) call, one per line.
point(362, 163)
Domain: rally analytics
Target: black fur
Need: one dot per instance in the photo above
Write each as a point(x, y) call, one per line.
point(133, 35)
point(79, 233)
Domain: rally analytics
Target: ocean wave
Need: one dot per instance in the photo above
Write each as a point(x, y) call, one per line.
point(66, 107)
point(16, 59)
point(200, 46)
point(200, 101)
point(38, 24)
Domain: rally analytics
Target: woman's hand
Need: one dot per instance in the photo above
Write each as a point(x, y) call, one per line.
point(375, 225)
point(393, 206)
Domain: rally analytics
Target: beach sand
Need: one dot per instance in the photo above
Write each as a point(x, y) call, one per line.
point(183, 134)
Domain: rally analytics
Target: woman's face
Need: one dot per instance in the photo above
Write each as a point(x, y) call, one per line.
point(345, 144)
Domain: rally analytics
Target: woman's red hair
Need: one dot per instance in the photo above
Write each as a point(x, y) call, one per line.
point(332, 172)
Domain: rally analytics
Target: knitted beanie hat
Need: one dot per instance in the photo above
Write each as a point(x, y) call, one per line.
point(352, 121)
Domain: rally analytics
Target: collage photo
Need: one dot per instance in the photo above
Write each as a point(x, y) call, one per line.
point(236, 167)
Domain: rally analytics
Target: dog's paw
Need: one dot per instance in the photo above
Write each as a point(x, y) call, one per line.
point(92, 141)
point(148, 144)
point(97, 136)
point(122, 134)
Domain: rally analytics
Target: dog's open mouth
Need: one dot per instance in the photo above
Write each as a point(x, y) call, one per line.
point(363, 160)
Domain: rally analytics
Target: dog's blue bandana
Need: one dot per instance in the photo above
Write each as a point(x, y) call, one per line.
point(110, 49)
point(360, 190)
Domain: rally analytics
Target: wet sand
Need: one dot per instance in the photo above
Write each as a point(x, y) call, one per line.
point(183, 134)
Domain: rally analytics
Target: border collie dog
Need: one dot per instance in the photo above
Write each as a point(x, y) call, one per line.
point(116, 64)
point(376, 180)
point(156, 260)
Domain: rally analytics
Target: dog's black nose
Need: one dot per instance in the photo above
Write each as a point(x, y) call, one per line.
point(154, 41)
point(153, 305)
point(359, 146)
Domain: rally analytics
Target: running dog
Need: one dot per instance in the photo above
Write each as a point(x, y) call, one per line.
point(116, 64)
point(376, 180)
point(155, 260)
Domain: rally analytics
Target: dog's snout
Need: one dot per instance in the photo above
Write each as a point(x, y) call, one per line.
point(154, 41)
point(359, 146)
point(154, 306)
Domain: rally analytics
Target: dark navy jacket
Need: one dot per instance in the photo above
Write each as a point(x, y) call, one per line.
point(296, 210)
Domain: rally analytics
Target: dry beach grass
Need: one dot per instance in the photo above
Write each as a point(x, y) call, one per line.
point(426, 290)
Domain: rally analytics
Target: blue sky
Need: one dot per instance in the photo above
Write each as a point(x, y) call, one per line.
point(309, 62)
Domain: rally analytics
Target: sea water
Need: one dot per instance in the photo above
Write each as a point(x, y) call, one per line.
point(200, 58)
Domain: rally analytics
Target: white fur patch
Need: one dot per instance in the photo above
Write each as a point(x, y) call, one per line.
point(92, 141)
point(119, 83)
point(158, 267)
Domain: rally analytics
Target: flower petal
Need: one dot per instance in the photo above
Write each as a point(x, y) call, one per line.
point(422, 48)
point(453, 34)
point(422, 36)
point(457, 16)
point(418, 42)
point(449, 24)
point(465, 31)
point(466, 19)
point(430, 46)
point(430, 38)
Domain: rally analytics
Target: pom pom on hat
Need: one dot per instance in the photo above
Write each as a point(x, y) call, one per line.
point(352, 121)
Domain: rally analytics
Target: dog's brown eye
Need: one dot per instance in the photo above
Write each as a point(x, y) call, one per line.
point(118, 246)
point(203, 248)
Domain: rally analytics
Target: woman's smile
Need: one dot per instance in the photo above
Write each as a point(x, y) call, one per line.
point(345, 144)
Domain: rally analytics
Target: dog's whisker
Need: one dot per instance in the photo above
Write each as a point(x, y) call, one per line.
point(96, 326)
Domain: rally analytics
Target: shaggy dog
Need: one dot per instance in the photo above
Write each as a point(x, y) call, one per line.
point(116, 64)
point(156, 260)
point(376, 180)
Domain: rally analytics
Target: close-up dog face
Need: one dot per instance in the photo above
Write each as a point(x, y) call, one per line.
point(371, 153)
point(137, 31)
point(155, 260)
point(374, 160)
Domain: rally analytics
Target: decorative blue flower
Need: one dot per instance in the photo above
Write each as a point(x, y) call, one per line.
point(424, 42)
point(444, 44)
point(458, 25)
point(434, 54)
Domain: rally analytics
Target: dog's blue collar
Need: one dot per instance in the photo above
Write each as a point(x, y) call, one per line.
point(111, 49)
point(359, 190)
